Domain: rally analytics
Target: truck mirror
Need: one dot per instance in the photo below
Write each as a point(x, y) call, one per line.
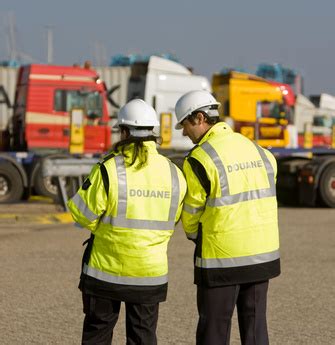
point(109, 96)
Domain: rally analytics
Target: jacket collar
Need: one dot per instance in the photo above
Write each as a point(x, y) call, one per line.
point(220, 128)
point(149, 146)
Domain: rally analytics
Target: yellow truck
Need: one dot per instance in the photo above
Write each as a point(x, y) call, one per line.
point(254, 106)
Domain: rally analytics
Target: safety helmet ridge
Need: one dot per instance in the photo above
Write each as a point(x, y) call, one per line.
point(192, 101)
point(137, 113)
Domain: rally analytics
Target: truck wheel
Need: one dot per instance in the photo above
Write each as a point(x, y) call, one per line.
point(327, 186)
point(46, 186)
point(11, 185)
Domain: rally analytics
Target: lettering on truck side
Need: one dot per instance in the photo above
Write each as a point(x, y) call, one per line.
point(147, 193)
point(244, 165)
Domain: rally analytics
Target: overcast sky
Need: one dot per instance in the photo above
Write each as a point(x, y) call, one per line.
point(207, 35)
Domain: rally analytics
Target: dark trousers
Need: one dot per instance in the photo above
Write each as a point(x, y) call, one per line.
point(216, 307)
point(101, 315)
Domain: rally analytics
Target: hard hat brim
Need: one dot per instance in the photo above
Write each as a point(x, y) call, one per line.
point(118, 124)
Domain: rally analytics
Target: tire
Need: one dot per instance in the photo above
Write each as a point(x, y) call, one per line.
point(46, 186)
point(327, 186)
point(11, 184)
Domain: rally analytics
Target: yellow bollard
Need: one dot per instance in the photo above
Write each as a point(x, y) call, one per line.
point(77, 131)
point(333, 137)
point(166, 130)
point(308, 136)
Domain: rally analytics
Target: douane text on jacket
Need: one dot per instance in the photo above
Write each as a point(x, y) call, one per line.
point(147, 193)
point(244, 165)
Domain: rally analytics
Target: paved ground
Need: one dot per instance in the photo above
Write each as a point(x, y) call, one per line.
point(40, 302)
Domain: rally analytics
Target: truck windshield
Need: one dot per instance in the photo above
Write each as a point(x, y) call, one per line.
point(270, 110)
point(90, 101)
point(324, 121)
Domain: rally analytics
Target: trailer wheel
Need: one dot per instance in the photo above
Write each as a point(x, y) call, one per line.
point(11, 185)
point(327, 186)
point(46, 186)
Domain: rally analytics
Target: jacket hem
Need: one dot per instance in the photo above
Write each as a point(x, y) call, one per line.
point(125, 293)
point(213, 277)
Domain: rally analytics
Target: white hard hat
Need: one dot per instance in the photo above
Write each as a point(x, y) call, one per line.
point(137, 113)
point(195, 100)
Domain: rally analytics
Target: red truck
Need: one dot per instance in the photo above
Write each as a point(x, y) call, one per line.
point(48, 101)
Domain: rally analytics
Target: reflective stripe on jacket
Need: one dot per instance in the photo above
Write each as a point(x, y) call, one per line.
point(235, 223)
point(133, 224)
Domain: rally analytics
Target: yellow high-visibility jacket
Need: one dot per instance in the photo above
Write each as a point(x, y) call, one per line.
point(132, 222)
point(230, 209)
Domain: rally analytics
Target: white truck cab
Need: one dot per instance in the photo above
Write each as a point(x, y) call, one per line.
point(161, 82)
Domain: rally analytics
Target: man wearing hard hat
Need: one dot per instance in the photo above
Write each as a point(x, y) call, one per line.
point(230, 212)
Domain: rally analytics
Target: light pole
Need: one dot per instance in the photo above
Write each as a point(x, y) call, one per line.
point(50, 44)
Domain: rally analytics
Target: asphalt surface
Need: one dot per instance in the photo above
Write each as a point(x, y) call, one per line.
point(40, 261)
